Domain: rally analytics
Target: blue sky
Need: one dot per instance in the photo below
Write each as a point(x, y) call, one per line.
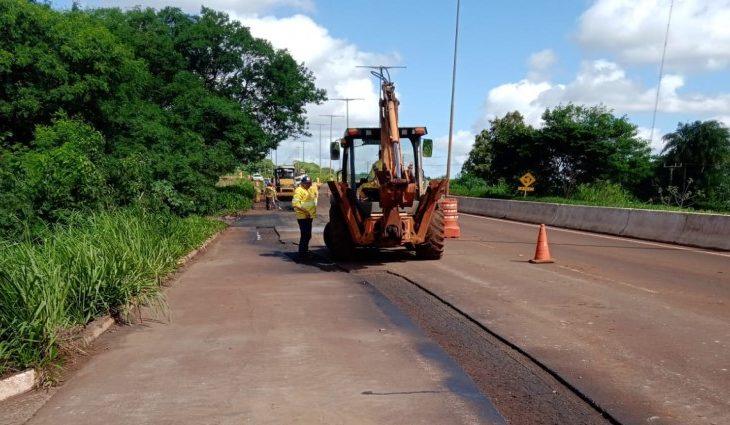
point(518, 55)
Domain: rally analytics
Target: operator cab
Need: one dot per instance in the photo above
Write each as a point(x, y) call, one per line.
point(361, 150)
point(285, 173)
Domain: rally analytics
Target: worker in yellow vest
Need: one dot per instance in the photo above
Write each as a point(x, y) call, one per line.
point(305, 209)
point(271, 201)
point(372, 179)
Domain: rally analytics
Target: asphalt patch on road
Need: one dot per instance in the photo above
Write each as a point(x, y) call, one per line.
point(523, 391)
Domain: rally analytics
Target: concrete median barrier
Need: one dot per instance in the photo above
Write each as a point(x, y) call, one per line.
point(701, 230)
point(663, 226)
point(708, 230)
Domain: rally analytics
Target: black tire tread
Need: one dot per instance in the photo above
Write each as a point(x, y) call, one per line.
point(337, 236)
point(433, 247)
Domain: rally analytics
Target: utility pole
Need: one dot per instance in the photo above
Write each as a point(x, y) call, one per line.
point(302, 151)
point(320, 145)
point(671, 171)
point(453, 90)
point(347, 101)
point(331, 118)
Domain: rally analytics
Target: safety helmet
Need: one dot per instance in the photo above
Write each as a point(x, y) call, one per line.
point(306, 180)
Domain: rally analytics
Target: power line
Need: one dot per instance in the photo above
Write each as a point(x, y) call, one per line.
point(661, 72)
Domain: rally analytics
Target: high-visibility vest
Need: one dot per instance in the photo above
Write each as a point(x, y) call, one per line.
point(377, 166)
point(305, 202)
point(270, 192)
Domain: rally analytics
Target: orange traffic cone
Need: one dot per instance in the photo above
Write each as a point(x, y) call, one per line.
point(542, 252)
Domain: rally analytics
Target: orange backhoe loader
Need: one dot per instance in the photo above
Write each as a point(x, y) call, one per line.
point(389, 204)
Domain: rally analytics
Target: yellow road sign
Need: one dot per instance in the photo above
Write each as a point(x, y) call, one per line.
point(527, 179)
point(527, 189)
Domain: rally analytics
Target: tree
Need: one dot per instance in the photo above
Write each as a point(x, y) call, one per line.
point(702, 149)
point(586, 144)
point(267, 83)
point(576, 145)
point(505, 151)
point(175, 99)
point(51, 62)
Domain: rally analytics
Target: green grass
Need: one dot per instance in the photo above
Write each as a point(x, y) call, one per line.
point(478, 188)
point(94, 265)
point(600, 194)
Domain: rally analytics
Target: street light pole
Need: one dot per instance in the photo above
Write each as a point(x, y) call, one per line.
point(320, 145)
point(302, 152)
point(453, 90)
point(347, 101)
point(331, 118)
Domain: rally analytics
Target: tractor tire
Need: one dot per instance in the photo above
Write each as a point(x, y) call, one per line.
point(433, 247)
point(337, 236)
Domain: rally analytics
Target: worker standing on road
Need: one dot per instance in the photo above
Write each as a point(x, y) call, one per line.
point(305, 208)
point(270, 192)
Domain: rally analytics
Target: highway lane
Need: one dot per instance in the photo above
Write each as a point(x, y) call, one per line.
point(642, 328)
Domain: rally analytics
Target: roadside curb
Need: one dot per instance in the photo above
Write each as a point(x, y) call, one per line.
point(26, 380)
point(17, 384)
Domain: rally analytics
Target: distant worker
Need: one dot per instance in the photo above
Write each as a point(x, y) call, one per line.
point(372, 179)
point(271, 201)
point(258, 192)
point(377, 166)
point(304, 203)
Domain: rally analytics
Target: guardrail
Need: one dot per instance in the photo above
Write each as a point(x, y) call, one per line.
point(710, 231)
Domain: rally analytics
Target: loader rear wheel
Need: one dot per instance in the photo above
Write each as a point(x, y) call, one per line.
point(433, 247)
point(337, 236)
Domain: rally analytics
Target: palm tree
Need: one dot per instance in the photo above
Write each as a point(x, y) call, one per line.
point(703, 150)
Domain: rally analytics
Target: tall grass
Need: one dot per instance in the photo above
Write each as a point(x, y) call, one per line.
point(468, 185)
point(91, 266)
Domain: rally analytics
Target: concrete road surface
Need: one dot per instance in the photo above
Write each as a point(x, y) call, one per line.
point(255, 338)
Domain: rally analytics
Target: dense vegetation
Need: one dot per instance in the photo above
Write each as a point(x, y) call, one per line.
point(96, 264)
point(114, 129)
point(587, 153)
point(106, 108)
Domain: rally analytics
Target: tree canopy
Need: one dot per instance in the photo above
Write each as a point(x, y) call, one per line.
point(576, 145)
point(701, 151)
point(157, 104)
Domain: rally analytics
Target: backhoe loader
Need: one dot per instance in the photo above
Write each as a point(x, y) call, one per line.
point(382, 199)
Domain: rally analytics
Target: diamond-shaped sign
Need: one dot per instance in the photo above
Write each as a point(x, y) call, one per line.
point(527, 179)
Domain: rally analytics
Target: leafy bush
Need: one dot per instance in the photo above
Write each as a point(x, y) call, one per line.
point(604, 193)
point(61, 173)
point(471, 185)
point(235, 198)
point(16, 211)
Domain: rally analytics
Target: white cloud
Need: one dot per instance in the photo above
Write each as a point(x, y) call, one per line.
point(522, 96)
point(334, 63)
point(539, 65)
point(724, 119)
point(599, 82)
point(657, 144)
point(193, 6)
point(462, 143)
point(634, 30)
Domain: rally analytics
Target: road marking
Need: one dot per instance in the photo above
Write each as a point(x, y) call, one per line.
point(620, 282)
point(617, 238)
